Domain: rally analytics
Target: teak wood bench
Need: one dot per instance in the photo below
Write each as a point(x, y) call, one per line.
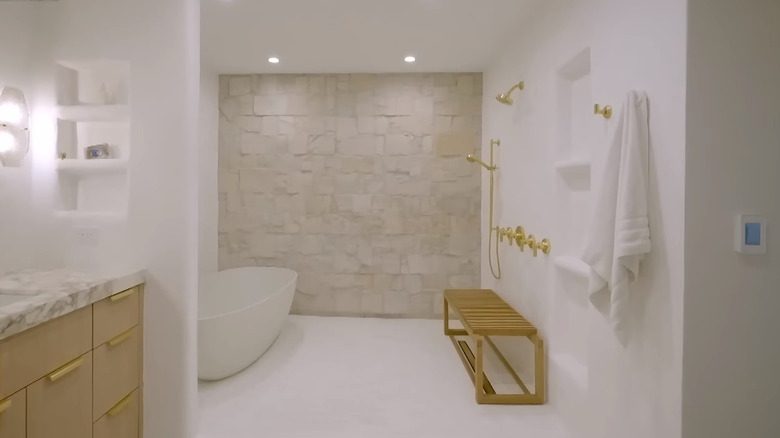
point(483, 314)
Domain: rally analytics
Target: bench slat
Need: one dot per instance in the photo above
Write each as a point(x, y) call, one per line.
point(484, 313)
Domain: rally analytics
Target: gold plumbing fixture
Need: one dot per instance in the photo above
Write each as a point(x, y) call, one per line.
point(606, 111)
point(545, 246)
point(506, 98)
point(471, 158)
point(519, 237)
point(531, 242)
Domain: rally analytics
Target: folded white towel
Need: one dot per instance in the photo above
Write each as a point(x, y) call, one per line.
point(619, 234)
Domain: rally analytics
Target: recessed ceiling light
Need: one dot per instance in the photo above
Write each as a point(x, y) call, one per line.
point(273, 60)
point(410, 59)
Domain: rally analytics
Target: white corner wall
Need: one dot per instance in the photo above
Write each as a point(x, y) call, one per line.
point(732, 354)
point(606, 390)
point(160, 40)
point(208, 202)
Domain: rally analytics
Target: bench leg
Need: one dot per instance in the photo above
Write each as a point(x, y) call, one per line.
point(539, 374)
point(446, 317)
point(479, 382)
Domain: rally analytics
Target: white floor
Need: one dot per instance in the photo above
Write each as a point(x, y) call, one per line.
point(361, 378)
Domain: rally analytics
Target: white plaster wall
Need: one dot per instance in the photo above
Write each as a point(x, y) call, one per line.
point(633, 391)
point(16, 21)
point(160, 40)
point(731, 357)
point(208, 202)
point(27, 237)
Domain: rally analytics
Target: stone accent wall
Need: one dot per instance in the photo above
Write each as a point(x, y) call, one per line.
point(357, 182)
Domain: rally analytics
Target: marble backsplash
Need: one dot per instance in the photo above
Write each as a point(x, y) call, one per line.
point(357, 182)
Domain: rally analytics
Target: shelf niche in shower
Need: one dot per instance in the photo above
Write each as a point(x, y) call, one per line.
point(576, 139)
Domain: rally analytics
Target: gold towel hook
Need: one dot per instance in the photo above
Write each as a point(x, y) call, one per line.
point(606, 111)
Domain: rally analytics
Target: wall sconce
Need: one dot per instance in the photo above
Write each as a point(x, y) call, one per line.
point(14, 127)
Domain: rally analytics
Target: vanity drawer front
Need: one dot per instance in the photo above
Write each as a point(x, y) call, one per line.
point(13, 412)
point(117, 370)
point(121, 421)
point(30, 355)
point(60, 404)
point(116, 314)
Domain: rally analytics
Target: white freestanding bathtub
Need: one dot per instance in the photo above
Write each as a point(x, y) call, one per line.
point(240, 314)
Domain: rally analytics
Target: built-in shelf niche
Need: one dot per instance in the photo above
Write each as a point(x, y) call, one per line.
point(576, 132)
point(576, 139)
point(93, 109)
point(92, 83)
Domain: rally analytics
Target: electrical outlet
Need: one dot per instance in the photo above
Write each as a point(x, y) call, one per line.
point(86, 236)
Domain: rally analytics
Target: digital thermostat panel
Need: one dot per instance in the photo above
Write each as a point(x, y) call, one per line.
point(750, 235)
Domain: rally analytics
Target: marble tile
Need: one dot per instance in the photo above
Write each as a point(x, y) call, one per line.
point(346, 176)
point(45, 295)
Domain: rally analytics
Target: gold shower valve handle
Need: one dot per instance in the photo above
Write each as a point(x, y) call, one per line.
point(511, 235)
point(520, 238)
point(531, 242)
point(545, 246)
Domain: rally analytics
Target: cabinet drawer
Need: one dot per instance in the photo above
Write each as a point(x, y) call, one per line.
point(13, 411)
point(30, 355)
point(116, 314)
point(117, 370)
point(59, 405)
point(121, 421)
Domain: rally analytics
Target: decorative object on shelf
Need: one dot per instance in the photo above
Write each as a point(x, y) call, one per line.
point(506, 98)
point(14, 127)
point(97, 152)
point(606, 111)
point(63, 155)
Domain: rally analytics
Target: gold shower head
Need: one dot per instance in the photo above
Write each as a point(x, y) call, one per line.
point(506, 98)
point(472, 159)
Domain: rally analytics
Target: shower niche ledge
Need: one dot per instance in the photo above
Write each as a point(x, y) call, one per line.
point(572, 266)
point(94, 113)
point(575, 172)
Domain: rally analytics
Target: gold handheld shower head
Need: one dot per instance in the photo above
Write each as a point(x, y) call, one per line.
point(506, 98)
point(472, 159)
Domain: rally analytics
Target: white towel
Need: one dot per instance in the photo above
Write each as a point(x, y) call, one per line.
point(619, 234)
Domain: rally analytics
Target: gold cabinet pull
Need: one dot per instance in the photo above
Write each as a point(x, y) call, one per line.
point(65, 370)
point(119, 407)
point(4, 406)
point(121, 338)
point(122, 295)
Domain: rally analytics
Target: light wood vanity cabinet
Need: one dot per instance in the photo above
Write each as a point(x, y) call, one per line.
point(58, 405)
point(13, 415)
point(77, 376)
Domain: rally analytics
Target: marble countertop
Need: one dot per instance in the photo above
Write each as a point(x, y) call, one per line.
point(32, 297)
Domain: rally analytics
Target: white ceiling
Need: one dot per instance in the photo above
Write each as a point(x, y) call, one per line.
point(326, 36)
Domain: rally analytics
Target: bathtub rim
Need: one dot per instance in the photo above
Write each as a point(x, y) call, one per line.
point(292, 281)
